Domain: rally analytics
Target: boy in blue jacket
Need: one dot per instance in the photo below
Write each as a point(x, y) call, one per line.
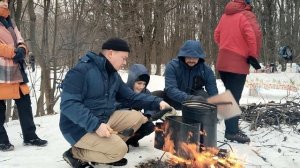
point(138, 79)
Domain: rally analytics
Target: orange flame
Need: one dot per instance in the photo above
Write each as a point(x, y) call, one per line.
point(207, 158)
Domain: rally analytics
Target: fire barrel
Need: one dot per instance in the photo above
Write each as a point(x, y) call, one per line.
point(206, 115)
point(173, 132)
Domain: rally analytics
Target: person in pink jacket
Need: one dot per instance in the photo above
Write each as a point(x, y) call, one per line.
point(238, 36)
point(13, 81)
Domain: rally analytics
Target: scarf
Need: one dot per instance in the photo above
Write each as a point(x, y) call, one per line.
point(10, 72)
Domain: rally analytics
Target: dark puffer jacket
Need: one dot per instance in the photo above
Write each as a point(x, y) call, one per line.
point(179, 76)
point(134, 73)
point(89, 97)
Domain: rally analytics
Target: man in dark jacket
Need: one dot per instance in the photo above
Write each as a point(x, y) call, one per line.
point(188, 77)
point(89, 120)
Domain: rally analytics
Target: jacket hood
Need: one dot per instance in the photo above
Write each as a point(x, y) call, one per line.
point(135, 73)
point(191, 48)
point(236, 6)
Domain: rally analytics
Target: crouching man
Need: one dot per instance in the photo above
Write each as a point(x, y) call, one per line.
point(89, 120)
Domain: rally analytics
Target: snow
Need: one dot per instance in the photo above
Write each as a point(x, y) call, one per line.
point(268, 148)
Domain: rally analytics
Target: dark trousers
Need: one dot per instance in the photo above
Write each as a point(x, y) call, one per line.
point(144, 130)
point(25, 117)
point(235, 83)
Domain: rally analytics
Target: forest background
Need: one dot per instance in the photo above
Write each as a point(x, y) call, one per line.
point(58, 32)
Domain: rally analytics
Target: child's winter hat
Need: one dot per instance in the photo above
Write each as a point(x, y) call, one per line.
point(143, 77)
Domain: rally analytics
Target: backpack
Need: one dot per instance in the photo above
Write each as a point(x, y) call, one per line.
point(286, 53)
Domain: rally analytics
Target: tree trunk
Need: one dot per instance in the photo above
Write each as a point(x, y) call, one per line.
point(159, 34)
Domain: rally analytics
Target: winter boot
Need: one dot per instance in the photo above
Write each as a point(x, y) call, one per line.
point(6, 147)
point(75, 163)
point(121, 162)
point(239, 137)
point(36, 142)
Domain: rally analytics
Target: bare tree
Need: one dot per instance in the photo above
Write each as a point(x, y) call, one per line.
point(155, 29)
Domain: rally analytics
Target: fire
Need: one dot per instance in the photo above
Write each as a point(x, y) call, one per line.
point(183, 143)
point(169, 145)
point(207, 158)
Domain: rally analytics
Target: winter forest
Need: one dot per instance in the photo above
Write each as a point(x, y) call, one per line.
point(58, 32)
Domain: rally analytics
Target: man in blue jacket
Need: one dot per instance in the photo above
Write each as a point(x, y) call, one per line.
point(89, 120)
point(188, 77)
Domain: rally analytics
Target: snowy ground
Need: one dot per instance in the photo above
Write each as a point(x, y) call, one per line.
point(268, 147)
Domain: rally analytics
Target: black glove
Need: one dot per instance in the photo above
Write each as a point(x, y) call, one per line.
point(253, 62)
point(20, 55)
point(198, 98)
point(160, 114)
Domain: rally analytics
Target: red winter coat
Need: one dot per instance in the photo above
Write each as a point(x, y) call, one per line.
point(238, 36)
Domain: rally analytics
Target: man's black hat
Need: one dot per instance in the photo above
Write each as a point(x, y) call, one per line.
point(116, 44)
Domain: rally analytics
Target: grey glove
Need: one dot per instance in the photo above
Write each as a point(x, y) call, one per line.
point(171, 113)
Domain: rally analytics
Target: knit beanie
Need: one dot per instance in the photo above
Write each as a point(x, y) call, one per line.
point(116, 44)
point(143, 77)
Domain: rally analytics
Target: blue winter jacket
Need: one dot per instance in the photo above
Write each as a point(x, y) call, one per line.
point(134, 72)
point(89, 97)
point(179, 76)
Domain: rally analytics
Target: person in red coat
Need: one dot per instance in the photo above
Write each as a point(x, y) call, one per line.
point(238, 36)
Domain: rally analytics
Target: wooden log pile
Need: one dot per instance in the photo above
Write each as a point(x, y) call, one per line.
point(272, 114)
